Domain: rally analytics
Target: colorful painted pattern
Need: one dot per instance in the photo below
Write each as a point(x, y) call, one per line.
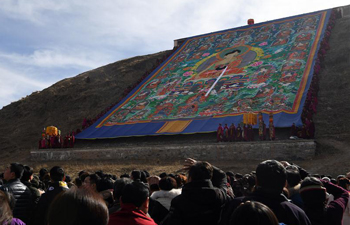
point(262, 68)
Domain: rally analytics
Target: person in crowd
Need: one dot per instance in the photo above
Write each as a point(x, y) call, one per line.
point(345, 183)
point(6, 217)
point(26, 179)
point(293, 185)
point(271, 178)
point(135, 175)
point(118, 187)
point(91, 181)
point(202, 196)
point(20, 192)
point(167, 191)
point(56, 186)
point(44, 178)
point(134, 206)
point(105, 187)
point(313, 191)
point(78, 207)
point(181, 180)
point(153, 182)
point(251, 212)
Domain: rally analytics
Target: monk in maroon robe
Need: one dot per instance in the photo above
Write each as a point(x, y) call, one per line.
point(232, 132)
point(226, 133)
point(311, 130)
point(52, 141)
point(72, 140)
point(245, 132)
point(239, 133)
point(293, 130)
point(303, 132)
point(219, 133)
point(250, 133)
point(264, 131)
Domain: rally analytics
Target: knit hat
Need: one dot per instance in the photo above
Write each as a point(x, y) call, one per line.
point(312, 191)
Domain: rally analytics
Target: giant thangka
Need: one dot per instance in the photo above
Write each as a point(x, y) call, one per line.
point(217, 77)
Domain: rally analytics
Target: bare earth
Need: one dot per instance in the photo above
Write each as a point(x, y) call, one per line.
point(67, 102)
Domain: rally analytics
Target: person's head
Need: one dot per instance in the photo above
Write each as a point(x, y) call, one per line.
point(136, 193)
point(252, 212)
point(42, 173)
point(167, 183)
point(27, 173)
point(118, 187)
point(271, 176)
point(135, 175)
point(78, 206)
point(56, 174)
point(344, 183)
point(5, 209)
point(312, 192)
point(200, 171)
point(13, 171)
point(104, 184)
point(181, 180)
point(91, 181)
point(293, 175)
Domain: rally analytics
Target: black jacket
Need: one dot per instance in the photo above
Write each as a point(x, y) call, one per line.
point(285, 211)
point(45, 200)
point(22, 195)
point(200, 202)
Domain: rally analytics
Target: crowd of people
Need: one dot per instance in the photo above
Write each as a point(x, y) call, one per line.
point(275, 193)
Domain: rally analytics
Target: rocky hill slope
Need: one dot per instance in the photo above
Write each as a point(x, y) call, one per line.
point(66, 103)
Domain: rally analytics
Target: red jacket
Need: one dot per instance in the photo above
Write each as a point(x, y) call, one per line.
point(130, 215)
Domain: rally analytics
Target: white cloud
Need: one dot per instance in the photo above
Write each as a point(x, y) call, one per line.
point(51, 58)
point(14, 86)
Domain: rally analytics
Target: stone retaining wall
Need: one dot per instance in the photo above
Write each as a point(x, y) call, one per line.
point(280, 150)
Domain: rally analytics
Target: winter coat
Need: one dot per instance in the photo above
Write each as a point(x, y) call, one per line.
point(22, 195)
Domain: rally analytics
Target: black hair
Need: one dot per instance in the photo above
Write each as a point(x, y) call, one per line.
point(78, 207)
point(135, 193)
point(136, 175)
point(200, 171)
point(164, 174)
point(252, 212)
point(56, 173)
point(119, 185)
point(27, 173)
point(271, 175)
point(42, 173)
point(104, 184)
point(94, 178)
point(167, 183)
point(293, 175)
point(17, 169)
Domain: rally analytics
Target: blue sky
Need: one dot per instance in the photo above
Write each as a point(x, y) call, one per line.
point(45, 41)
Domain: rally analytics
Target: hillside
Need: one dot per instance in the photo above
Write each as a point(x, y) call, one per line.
point(67, 102)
